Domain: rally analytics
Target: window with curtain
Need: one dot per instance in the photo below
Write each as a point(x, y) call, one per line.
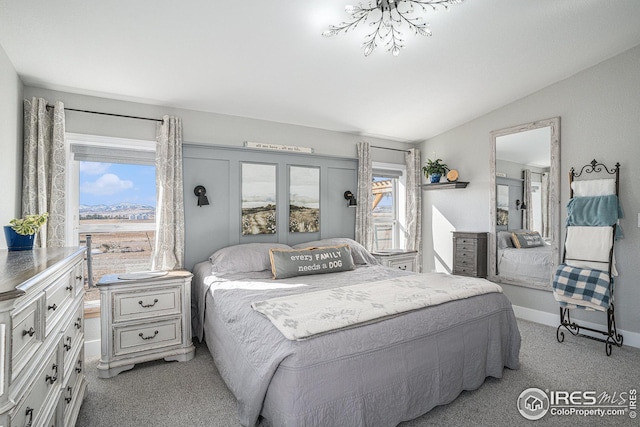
point(388, 206)
point(112, 198)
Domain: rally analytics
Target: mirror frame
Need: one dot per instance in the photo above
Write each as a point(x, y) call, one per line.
point(554, 198)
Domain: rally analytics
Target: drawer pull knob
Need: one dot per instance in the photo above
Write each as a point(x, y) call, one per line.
point(79, 368)
point(69, 288)
point(29, 413)
point(68, 399)
point(30, 332)
point(79, 277)
point(141, 335)
point(78, 323)
point(148, 305)
point(52, 379)
point(67, 346)
point(52, 307)
point(403, 267)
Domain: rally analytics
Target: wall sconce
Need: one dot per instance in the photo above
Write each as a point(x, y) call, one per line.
point(352, 203)
point(201, 192)
point(520, 205)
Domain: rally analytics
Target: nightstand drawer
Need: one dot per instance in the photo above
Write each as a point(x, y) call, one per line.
point(146, 304)
point(133, 338)
point(406, 264)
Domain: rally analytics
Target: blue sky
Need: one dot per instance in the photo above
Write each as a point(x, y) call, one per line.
point(113, 183)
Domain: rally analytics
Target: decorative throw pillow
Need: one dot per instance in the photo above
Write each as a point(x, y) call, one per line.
point(526, 239)
point(299, 262)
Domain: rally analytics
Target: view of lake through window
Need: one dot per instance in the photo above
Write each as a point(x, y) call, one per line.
point(117, 207)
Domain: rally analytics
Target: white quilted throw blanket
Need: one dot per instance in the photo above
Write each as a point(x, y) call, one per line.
point(307, 314)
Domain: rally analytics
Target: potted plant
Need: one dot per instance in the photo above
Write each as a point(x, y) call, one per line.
point(20, 234)
point(434, 169)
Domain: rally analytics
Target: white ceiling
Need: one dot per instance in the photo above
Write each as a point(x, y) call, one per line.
point(266, 59)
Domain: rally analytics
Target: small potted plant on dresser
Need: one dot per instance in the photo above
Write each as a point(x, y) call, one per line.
point(21, 232)
point(434, 169)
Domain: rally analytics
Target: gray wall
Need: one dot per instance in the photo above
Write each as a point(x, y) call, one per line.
point(10, 141)
point(599, 110)
point(207, 138)
point(208, 228)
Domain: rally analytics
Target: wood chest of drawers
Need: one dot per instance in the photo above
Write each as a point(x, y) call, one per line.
point(470, 254)
point(144, 319)
point(42, 379)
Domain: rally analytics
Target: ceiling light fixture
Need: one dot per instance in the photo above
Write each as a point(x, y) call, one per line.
point(386, 17)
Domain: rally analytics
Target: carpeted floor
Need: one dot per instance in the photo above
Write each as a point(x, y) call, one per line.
point(159, 394)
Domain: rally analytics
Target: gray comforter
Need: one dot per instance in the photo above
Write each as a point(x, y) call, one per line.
point(377, 374)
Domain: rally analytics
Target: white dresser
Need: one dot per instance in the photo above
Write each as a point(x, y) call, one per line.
point(42, 381)
point(403, 260)
point(144, 319)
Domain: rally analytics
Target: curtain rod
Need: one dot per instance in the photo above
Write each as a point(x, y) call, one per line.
point(108, 114)
point(392, 149)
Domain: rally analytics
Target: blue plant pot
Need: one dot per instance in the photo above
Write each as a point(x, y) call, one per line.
point(18, 242)
point(434, 177)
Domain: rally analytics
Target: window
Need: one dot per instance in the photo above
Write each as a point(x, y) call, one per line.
point(111, 205)
point(388, 207)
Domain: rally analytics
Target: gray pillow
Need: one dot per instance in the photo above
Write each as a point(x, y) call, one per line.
point(358, 252)
point(244, 258)
point(505, 240)
point(301, 262)
point(526, 239)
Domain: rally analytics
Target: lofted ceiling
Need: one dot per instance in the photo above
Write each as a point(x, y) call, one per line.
point(266, 59)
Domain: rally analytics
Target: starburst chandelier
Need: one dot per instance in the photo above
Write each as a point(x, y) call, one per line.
point(386, 17)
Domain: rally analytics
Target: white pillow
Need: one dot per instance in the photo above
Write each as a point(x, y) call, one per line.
point(594, 187)
point(244, 258)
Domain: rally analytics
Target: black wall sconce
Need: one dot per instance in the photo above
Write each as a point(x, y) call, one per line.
point(352, 203)
point(520, 205)
point(201, 192)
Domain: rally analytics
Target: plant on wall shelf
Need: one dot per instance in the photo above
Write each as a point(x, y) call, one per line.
point(30, 224)
point(434, 169)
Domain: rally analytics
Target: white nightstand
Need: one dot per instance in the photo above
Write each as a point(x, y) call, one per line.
point(403, 260)
point(144, 319)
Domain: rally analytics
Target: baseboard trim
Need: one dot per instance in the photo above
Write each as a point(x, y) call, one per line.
point(632, 339)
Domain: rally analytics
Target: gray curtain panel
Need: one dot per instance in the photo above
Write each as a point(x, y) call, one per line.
point(44, 164)
point(364, 219)
point(168, 253)
point(413, 231)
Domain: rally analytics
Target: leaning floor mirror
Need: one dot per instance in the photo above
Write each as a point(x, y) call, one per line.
point(525, 204)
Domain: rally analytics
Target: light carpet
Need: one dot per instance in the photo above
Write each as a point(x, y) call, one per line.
point(159, 394)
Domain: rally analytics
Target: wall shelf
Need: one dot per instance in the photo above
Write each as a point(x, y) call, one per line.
point(445, 185)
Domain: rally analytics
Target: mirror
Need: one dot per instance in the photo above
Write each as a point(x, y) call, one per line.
point(525, 181)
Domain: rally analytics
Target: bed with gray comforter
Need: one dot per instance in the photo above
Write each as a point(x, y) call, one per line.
point(376, 374)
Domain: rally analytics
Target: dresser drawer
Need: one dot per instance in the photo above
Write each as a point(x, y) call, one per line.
point(466, 257)
point(57, 297)
point(71, 336)
point(466, 270)
point(72, 386)
point(26, 334)
point(466, 245)
point(46, 383)
point(133, 338)
point(146, 304)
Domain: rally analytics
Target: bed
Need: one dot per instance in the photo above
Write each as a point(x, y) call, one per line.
point(377, 373)
point(524, 263)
